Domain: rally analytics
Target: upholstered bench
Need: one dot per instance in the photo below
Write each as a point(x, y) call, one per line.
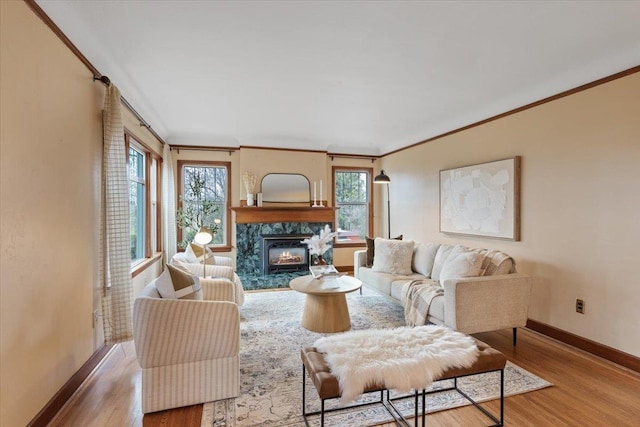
point(327, 386)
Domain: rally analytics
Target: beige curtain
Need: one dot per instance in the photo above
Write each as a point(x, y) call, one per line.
point(170, 242)
point(115, 268)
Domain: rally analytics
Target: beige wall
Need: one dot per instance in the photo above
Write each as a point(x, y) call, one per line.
point(580, 204)
point(51, 146)
point(315, 166)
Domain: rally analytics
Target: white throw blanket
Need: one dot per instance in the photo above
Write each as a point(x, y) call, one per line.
point(402, 359)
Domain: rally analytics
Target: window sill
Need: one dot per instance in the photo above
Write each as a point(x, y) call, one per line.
point(350, 245)
point(142, 265)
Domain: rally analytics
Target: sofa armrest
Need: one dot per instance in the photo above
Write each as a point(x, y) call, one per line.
point(487, 303)
point(170, 332)
point(359, 260)
point(218, 289)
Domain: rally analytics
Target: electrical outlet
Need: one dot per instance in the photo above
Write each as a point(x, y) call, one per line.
point(580, 306)
point(96, 317)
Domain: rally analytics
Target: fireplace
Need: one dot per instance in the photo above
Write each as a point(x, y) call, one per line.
point(284, 253)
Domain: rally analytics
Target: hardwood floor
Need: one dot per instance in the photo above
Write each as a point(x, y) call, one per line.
point(587, 391)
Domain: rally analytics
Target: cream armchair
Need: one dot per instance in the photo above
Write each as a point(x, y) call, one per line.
point(222, 268)
point(188, 349)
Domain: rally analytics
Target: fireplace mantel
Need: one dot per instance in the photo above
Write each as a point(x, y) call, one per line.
point(271, 214)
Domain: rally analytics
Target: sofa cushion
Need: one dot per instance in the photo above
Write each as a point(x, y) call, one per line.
point(441, 257)
point(175, 283)
point(461, 262)
point(382, 281)
point(393, 256)
point(424, 255)
point(371, 249)
point(436, 310)
point(396, 285)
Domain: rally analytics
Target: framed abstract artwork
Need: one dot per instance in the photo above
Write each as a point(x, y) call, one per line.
point(482, 200)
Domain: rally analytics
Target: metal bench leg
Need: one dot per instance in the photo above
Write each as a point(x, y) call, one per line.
point(501, 397)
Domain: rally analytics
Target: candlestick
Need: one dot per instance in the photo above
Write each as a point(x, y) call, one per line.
point(320, 194)
point(314, 194)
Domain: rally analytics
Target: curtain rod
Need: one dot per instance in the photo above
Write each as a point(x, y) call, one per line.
point(353, 156)
point(143, 123)
point(40, 13)
point(230, 150)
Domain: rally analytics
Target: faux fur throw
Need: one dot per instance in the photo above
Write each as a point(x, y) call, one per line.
point(402, 359)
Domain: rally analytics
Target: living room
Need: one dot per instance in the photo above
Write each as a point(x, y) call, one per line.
point(579, 151)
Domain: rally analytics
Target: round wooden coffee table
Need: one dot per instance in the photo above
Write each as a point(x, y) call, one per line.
point(325, 307)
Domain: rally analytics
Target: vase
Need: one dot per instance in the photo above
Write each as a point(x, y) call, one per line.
point(319, 260)
point(249, 199)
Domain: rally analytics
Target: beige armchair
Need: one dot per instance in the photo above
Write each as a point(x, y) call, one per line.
point(222, 268)
point(188, 349)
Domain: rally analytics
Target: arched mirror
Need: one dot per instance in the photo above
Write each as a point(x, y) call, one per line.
point(285, 188)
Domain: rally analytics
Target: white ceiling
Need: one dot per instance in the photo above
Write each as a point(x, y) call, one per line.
point(356, 77)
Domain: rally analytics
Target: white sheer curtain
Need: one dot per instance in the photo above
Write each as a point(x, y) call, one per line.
point(169, 238)
point(115, 266)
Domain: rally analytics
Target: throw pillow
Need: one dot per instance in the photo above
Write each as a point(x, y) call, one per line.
point(424, 255)
point(192, 258)
point(195, 253)
point(498, 263)
point(371, 249)
point(438, 262)
point(461, 263)
point(393, 256)
point(175, 283)
point(209, 257)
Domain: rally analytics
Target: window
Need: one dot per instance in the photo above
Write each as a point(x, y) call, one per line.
point(143, 170)
point(352, 195)
point(137, 211)
point(204, 200)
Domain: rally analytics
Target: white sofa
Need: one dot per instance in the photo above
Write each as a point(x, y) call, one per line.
point(497, 298)
point(188, 349)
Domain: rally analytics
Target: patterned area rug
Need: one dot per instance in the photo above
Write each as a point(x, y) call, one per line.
point(271, 370)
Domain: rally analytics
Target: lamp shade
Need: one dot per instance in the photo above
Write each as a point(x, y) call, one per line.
point(382, 178)
point(203, 236)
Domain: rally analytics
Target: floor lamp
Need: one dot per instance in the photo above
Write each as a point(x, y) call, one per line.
point(384, 179)
point(203, 237)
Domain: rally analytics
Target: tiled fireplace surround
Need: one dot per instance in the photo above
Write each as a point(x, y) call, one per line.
point(248, 239)
point(254, 222)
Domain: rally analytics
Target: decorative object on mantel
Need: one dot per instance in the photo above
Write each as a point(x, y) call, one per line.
point(249, 180)
point(259, 200)
point(315, 201)
point(318, 245)
point(482, 200)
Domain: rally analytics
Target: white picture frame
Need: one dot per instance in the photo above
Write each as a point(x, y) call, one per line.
point(482, 200)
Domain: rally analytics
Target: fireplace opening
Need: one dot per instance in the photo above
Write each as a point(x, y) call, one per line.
point(284, 253)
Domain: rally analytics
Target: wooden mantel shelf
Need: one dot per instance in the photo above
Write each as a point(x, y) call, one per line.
point(269, 214)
